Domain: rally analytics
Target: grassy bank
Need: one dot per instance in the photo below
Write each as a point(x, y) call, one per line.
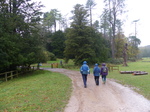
point(41, 91)
point(140, 83)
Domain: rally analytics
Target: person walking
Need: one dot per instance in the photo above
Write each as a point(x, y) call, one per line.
point(96, 73)
point(85, 70)
point(104, 72)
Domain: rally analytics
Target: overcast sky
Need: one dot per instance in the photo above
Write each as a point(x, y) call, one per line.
point(137, 9)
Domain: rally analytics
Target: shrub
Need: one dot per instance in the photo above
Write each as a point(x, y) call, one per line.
point(115, 61)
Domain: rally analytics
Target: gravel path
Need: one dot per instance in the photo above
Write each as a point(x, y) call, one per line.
point(109, 97)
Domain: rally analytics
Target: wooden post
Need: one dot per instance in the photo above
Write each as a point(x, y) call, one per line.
point(125, 55)
point(11, 74)
point(17, 73)
point(6, 76)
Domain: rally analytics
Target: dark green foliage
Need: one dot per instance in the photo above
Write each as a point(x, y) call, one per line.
point(115, 61)
point(57, 44)
point(83, 42)
point(20, 42)
point(52, 57)
point(144, 51)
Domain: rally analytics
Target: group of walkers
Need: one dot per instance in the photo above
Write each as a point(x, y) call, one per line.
point(97, 72)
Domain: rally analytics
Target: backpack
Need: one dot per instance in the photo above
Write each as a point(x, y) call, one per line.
point(105, 69)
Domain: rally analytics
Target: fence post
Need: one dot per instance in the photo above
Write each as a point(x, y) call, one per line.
point(6, 77)
point(11, 74)
point(17, 73)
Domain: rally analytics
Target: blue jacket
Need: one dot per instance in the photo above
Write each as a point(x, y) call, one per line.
point(96, 71)
point(85, 69)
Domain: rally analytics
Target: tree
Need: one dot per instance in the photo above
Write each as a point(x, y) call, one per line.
point(144, 51)
point(57, 43)
point(125, 54)
point(18, 33)
point(90, 4)
point(96, 25)
point(50, 19)
point(120, 42)
point(133, 47)
point(76, 38)
point(113, 8)
point(105, 27)
point(82, 41)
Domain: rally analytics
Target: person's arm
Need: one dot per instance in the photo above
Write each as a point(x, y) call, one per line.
point(88, 70)
point(93, 70)
point(100, 70)
point(81, 70)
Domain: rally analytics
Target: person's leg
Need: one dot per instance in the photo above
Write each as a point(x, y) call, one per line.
point(84, 77)
point(104, 79)
point(97, 78)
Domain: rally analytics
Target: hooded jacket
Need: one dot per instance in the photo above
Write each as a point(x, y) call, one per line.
point(96, 70)
point(85, 68)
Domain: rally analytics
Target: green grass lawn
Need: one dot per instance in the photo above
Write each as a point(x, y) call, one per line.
point(45, 91)
point(140, 83)
point(40, 91)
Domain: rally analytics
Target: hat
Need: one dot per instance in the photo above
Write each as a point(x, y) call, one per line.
point(96, 64)
point(103, 64)
point(84, 62)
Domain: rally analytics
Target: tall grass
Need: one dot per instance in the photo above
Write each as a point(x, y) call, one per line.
point(41, 91)
point(140, 83)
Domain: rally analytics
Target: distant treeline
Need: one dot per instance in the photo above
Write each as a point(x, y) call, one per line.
point(144, 51)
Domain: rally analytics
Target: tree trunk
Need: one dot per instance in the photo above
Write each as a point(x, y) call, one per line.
point(125, 55)
point(91, 16)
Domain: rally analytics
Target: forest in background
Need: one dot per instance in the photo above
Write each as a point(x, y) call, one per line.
point(144, 51)
point(28, 35)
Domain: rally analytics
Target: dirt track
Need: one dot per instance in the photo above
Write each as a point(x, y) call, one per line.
point(109, 97)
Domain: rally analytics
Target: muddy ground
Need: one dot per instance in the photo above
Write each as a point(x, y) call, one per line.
point(109, 97)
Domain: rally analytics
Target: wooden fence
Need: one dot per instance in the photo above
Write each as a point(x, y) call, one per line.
point(11, 74)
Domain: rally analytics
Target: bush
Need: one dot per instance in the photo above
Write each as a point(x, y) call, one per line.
point(132, 59)
point(52, 56)
point(115, 61)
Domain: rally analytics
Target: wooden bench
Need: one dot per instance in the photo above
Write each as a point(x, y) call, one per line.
point(113, 67)
point(54, 65)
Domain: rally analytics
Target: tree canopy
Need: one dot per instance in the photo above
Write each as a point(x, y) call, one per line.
point(19, 40)
point(29, 36)
point(83, 43)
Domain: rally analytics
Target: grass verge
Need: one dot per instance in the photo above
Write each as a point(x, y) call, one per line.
point(40, 91)
point(140, 83)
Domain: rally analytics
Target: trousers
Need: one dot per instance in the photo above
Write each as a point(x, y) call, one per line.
point(96, 80)
point(104, 78)
point(84, 77)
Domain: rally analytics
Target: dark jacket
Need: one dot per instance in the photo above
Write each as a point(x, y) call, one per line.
point(104, 70)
